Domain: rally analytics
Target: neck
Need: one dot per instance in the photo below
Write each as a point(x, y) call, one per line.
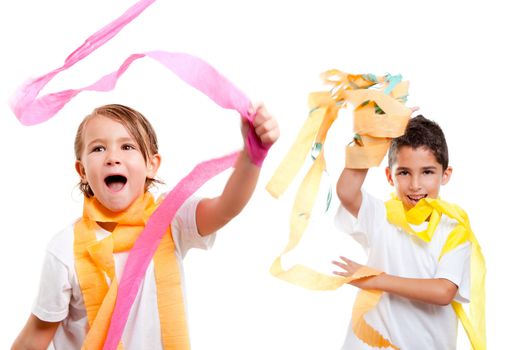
point(109, 226)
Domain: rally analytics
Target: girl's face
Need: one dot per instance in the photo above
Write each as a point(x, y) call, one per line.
point(113, 165)
point(416, 175)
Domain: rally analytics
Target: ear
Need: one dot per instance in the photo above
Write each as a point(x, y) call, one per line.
point(153, 166)
point(80, 170)
point(390, 179)
point(446, 176)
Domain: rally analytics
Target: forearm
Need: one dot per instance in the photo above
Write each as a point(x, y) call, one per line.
point(36, 335)
point(438, 291)
point(216, 212)
point(239, 187)
point(349, 187)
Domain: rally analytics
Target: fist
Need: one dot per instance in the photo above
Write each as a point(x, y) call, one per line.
point(266, 126)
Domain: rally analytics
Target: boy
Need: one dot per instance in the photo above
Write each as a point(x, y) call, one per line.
point(420, 278)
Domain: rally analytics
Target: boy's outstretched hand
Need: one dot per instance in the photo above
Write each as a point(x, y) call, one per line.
point(349, 267)
point(437, 291)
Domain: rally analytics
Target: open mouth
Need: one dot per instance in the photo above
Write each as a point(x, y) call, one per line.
point(115, 182)
point(416, 198)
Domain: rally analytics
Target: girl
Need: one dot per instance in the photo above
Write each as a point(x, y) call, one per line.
point(117, 160)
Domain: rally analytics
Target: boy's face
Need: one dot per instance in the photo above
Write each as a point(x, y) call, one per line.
point(416, 175)
point(113, 165)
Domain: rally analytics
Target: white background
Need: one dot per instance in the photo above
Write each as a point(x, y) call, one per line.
point(456, 55)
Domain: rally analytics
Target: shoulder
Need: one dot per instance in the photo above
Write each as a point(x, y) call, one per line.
point(372, 208)
point(371, 218)
point(452, 210)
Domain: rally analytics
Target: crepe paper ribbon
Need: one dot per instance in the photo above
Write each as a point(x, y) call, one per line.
point(308, 278)
point(94, 258)
point(475, 325)
point(324, 111)
point(324, 108)
point(148, 241)
point(31, 109)
point(194, 71)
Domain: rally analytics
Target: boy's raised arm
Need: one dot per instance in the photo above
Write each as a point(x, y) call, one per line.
point(349, 187)
point(214, 213)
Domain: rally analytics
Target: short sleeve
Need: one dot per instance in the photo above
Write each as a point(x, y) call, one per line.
point(185, 231)
point(361, 227)
point(53, 299)
point(455, 267)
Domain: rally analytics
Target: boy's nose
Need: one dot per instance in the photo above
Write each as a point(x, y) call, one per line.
point(414, 184)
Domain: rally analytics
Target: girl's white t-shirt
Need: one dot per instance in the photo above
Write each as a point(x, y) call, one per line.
point(60, 297)
point(408, 324)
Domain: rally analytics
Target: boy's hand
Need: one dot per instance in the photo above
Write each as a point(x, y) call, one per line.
point(266, 127)
point(349, 267)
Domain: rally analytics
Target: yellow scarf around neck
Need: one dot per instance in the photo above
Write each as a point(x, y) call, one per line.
point(94, 260)
point(432, 210)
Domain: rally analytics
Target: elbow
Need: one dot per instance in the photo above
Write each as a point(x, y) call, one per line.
point(446, 293)
point(442, 301)
point(346, 197)
point(350, 201)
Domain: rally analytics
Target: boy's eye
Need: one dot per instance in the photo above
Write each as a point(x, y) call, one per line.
point(402, 173)
point(428, 172)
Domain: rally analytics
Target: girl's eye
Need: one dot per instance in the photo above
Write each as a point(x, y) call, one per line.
point(98, 149)
point(127, 147)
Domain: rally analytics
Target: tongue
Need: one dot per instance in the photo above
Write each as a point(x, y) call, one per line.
point(116, 186)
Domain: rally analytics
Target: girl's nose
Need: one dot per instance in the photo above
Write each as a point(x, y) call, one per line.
point(113, 162)
point(112, 159)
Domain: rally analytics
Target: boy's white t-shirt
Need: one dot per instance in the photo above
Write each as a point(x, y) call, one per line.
point(60, 297)
point(408, 324)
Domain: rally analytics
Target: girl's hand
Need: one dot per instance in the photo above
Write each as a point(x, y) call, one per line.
point(266, 127)
point(349, 267)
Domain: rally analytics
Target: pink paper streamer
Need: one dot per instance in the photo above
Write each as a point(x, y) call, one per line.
point(144, 248)
point(31, 109)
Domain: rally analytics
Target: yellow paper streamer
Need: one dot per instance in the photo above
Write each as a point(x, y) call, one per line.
point(375, 129)
point(324, 110)
point(94, 258)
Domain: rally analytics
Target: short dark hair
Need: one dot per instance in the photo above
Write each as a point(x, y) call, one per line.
point(421, 132)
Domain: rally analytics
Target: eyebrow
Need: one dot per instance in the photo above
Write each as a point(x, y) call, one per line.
point(101, 140)
point(402, 168)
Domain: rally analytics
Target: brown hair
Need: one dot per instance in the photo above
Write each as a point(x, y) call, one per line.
point(421, 132)
point(137, 126)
